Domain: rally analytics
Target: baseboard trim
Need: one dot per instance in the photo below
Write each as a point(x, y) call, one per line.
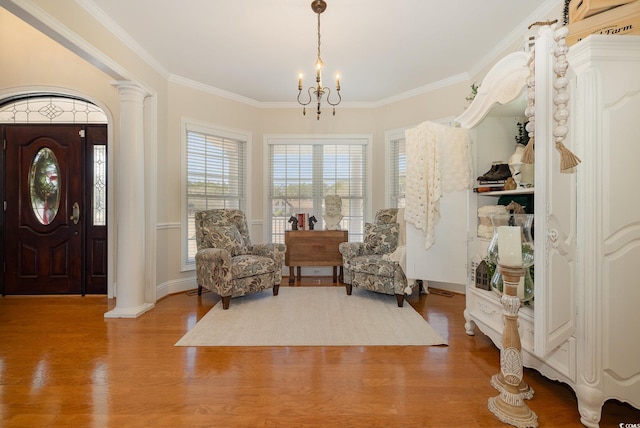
point(176, 286)
point(447, 286)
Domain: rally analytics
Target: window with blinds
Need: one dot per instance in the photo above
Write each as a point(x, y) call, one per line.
point(303, 171)
point(398, 171)
point(216, 175)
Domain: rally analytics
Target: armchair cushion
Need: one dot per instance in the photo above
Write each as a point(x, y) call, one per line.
point(375, 265)
point(380, 238)
point(244, 266)
point(227, 237)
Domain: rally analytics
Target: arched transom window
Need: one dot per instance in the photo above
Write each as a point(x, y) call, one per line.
point(50, 109)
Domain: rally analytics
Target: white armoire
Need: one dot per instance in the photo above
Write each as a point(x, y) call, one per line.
point(581, 327)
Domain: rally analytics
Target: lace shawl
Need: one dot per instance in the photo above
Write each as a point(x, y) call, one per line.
point(438, 161)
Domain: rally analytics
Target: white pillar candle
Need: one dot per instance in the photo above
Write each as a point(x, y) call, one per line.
point(509, 246)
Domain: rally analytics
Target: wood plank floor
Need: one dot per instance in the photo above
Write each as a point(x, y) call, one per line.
point(62, 364)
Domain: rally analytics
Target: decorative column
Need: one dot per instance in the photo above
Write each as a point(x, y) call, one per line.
point(509, 406)
point(129, 205)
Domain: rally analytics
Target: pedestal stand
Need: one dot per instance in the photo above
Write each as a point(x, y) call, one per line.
point(509, 406)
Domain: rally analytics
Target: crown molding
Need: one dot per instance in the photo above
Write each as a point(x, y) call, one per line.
point(515, 36)
point(115, 29)
point(199, 86)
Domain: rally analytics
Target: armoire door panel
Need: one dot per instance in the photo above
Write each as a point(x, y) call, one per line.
point(555, 219)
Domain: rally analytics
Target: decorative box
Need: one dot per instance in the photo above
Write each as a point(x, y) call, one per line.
point(619, 20)
point(580, 9)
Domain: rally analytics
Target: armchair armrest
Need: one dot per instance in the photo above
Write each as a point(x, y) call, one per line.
point(350, 250)
point(212, 263)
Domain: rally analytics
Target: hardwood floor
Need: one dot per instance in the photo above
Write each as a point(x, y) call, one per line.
point(63, 364)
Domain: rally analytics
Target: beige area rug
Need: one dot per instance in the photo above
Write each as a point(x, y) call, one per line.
point(312, 316)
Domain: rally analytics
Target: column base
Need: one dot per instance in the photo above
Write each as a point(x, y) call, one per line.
point(520, 415)
point(134, 312)
point(497, 381)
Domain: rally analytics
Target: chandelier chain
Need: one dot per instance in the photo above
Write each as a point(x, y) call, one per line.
point(319, 59)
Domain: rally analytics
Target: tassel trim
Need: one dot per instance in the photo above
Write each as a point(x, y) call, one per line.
point(567, 159)
point(528, 156)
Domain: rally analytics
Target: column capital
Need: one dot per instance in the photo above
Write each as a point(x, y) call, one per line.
point(131, 90)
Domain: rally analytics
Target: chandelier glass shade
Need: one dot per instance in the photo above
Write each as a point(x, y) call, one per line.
point(315, 93)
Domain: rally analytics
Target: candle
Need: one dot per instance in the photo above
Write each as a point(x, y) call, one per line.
point(509, 246)
point(300, 81)
point(337, 82)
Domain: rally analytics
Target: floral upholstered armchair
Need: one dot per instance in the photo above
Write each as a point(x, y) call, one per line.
point(368, 264)
point(227, 263)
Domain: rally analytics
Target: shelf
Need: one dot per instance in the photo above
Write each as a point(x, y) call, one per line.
point(523, 191)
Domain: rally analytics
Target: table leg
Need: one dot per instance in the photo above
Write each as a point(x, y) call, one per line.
point(335, 274)
point(299, 273)
point(292, 277)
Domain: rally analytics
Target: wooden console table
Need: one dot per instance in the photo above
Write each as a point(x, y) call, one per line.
point(314, 248)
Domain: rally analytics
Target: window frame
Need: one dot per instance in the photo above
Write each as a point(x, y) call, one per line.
point(317, 139)
point(192, 125)
point(390, 166)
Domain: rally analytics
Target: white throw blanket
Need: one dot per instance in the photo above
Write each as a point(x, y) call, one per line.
point(438, 161)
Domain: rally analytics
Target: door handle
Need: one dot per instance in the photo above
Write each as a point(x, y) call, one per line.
point(75, 213)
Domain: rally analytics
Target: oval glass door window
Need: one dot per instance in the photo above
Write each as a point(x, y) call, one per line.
point(44, 185)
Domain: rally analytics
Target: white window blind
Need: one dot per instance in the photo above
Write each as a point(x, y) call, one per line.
point(216, 176)
point(302, 173)
point(398, 173)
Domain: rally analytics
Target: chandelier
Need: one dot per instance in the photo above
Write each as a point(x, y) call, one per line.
point(316, 92)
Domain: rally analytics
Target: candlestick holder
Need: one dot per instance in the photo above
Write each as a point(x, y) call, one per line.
point(511, 249)
point(509, 406)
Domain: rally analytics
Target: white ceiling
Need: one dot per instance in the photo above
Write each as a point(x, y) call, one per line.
point(383, 50)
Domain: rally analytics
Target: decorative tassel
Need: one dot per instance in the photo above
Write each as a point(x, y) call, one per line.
point(561, 99)
point(567, 159)
point(528, 156)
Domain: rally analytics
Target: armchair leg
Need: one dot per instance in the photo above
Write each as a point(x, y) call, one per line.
point(400, 299)
point(276, 288)
point(349, 289)
point(225, 302)
point(199, 290)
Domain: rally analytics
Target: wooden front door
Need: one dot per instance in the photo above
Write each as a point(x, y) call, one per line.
point(46, 223)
